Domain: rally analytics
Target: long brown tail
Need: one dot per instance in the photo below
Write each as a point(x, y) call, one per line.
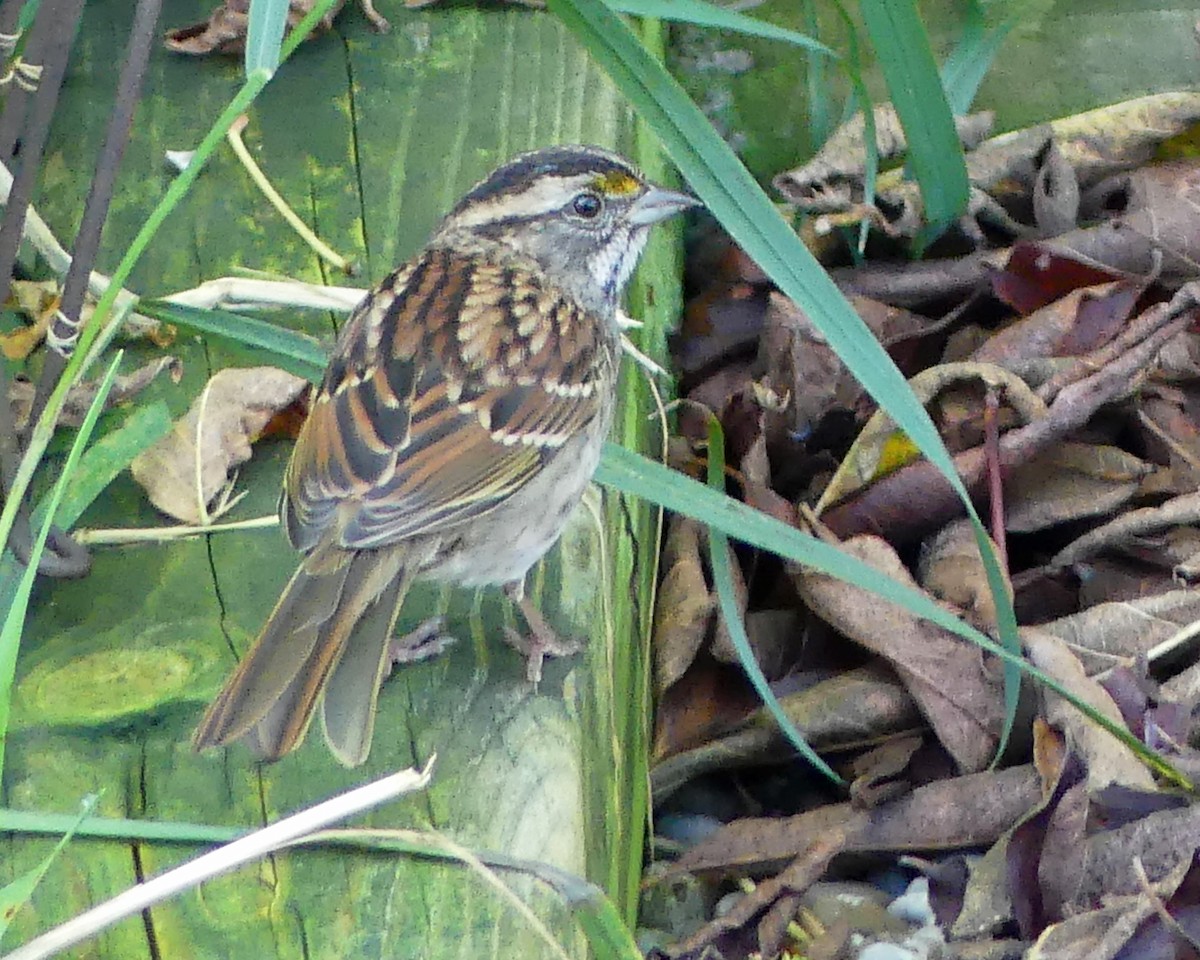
point(328, 632)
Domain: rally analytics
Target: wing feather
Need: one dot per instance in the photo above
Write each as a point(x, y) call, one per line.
point(447, 392)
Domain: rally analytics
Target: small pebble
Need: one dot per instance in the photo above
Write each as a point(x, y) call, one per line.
point(913, 905)
point(886, 951)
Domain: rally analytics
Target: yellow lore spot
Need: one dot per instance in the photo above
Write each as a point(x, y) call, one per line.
point(616, 183)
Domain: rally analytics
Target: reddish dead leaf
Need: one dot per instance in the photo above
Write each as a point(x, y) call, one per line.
point(1081, 321)
point(693, 716)
point(1034, 277)
point(212, 439)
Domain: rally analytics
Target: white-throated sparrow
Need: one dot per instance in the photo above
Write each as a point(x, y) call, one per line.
point(460, 419)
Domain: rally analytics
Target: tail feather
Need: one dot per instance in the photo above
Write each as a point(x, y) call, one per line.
point(352, 690)
point(270, 699)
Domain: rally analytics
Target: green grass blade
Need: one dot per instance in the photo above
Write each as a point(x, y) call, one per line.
point(291, 351)
point(17, 893)
point(972, 57)
point(635, 475)
point(14, 620)
point(935, 155)
point(264, 35)
point(601, 923)
point(718, 545)
point(105, 459)
point(709, 15)
point(817, 85)
point(28, 12)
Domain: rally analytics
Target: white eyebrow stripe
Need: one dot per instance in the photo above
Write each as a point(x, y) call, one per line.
point(542, 196)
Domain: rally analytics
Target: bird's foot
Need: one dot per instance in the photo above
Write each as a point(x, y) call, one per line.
point(541, 641)
point(428, 640)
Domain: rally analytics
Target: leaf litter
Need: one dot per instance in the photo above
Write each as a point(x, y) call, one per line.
point(1055, 342)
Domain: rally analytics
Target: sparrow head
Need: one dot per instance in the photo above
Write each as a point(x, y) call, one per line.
point(582, 213)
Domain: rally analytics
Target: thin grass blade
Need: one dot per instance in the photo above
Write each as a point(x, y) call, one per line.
point(14, 620)
point(718, 545)
point(935, 155)
point(264, 35)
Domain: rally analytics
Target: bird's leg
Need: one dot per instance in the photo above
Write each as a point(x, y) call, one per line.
point(542, 640)
point(428, 640)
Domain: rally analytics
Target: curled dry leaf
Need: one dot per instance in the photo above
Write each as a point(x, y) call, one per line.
point(947, 677)
point(79, 398)
point(1134, 524)
point(1055, 192)
point(968, 811)
point(852, 707)
point(881, 449)
point(1157, 233)
point(212, 439)
point(224, 32)
point(38, 300)
point(1108, 760)
point(826, 183)
point(1078, 390)
point(685, 605)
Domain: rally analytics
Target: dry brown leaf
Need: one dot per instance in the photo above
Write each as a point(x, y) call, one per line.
point(945, 674)
point(1122, 630)
point(797, 361)
point(79, 398)
point(952, 570)
point(969, 811)
point(878, 772)
point(212, 439)
point(224, 32)
point(849, 708)
point(1070, 481)
point(685, 604)
point(1107, 759)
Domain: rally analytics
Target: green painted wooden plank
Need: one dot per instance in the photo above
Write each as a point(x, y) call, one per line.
point(371, 137)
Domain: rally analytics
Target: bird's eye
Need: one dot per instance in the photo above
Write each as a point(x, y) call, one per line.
point(587, 205)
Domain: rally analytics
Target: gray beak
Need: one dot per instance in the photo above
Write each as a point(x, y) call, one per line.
point(657, 204)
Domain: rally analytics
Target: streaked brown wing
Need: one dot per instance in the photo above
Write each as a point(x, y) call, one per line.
point(445, 394)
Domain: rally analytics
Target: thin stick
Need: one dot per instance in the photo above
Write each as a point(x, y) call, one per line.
point(234, 136)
